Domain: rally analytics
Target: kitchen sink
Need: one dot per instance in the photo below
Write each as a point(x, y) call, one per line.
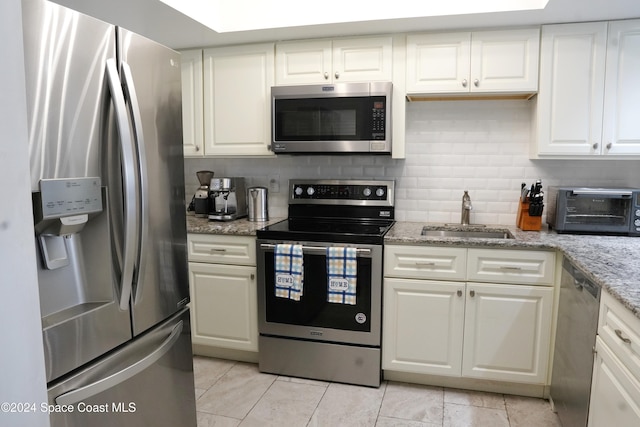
point(477, 234)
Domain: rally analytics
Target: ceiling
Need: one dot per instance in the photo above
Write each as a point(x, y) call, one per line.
point(159, 22)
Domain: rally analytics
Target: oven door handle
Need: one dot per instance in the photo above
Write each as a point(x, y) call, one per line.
point(602, 193)
point(316, 249)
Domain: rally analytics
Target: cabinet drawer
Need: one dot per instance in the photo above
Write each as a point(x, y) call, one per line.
point(511, 266)
point(425, 262)
point(223, 249)
point(619, 328)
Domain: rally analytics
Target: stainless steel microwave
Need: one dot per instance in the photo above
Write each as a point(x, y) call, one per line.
point(614, 211)
point(331, 118)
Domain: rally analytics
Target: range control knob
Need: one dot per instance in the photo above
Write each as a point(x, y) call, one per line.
point(380, 192)
point(637, 222)
point(310, 191)
point(638, 212)
point(366, 192)
point(298, 191)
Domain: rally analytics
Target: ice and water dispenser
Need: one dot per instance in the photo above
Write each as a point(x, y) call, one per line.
point(76, 274)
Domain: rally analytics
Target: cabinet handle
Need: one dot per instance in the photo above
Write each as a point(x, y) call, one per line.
point(326, 75)
point(595, 145)
point(197, 148)
point(218, 250)
point(459, 292)
point(253, 276)
point(472, 293)
point(425, 264)
point(337, 75)
point(464, 83)
point(609, 145)
point(476, 82)
point(510, 268)
point(619, 334)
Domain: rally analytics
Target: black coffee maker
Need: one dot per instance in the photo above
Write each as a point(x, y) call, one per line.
point(201, 203)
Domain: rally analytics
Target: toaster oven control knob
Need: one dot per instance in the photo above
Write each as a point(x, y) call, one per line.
point(310, 191)
point(298, 191)
point(380, 192)
point(366, 192)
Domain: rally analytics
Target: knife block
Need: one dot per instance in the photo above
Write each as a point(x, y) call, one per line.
point(526, 222)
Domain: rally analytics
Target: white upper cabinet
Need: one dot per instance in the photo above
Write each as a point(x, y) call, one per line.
point(334, 61)
point(589, 86)
point(192, 128)
point(572, 66)
point(621, 134)
point(481, 62)
point(237, 93)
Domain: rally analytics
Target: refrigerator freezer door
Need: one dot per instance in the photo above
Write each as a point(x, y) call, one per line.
point(148, 382)
point(152, 81)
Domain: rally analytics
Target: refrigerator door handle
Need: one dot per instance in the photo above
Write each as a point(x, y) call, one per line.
point(82, 393)
point(129, 183)
point(134, 111)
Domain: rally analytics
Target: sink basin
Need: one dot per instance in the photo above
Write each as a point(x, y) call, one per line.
point(478, 234)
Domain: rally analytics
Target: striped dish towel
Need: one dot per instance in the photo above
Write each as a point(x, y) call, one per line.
point(289, 271)
point(341, 275)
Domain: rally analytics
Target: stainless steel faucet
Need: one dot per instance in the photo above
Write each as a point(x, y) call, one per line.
point(466, 208)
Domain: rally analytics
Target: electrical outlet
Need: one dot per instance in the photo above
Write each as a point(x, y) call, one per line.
point(274, 183)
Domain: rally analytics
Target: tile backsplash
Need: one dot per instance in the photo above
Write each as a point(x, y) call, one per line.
point(451, 146)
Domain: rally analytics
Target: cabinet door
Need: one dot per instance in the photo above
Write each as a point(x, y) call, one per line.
point(571, 90)
point(438, 63)
point(507, 332)
point(505, 61)
point(237, 93)
point(511, 266)
point(615, 394)
point(303, 62)
point(422, 326)
point(622, 89)
point(192, 129)
point(224, 306)
point(362, 60)
point(425, 262)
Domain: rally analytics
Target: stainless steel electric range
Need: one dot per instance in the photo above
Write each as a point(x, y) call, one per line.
point(320, 281)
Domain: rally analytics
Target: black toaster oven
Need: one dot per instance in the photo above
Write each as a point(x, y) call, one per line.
point(614, 211)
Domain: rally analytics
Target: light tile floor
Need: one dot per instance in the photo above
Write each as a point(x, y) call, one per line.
point(233, 394)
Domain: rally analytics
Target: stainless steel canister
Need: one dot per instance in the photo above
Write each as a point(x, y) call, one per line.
point(257, 204)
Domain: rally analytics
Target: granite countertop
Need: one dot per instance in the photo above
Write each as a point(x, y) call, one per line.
point(612, 262)
point(238, 227)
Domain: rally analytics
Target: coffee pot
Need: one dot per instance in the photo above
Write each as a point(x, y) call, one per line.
point(201, 198)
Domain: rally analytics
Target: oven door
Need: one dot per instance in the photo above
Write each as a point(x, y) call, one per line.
point(596, 211)
point(313, 317)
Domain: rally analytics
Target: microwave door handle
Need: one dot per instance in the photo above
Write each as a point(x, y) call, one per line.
point(607, 193)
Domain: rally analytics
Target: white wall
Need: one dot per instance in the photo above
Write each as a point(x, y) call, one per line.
point(22, 376)
point(480, 146)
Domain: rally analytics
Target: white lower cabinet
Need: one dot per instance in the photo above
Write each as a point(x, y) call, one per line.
point(615, 394)
point(422, 326)
point(490, 331)
point(223, 292)
point(615, 386)
point(507, 332)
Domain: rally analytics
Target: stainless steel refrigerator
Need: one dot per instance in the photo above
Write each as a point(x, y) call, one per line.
point(105, 144)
